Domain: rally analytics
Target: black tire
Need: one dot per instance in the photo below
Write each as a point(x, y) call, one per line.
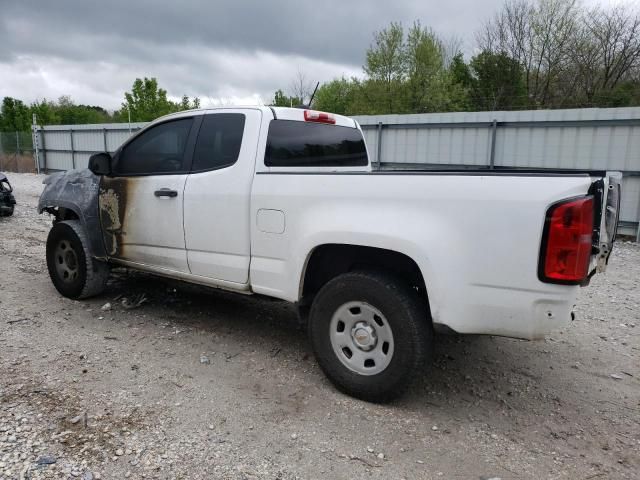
point(6, 212)
point(73, 271)
point(407, 316)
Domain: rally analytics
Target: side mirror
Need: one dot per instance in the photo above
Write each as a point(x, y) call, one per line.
point(100, 163)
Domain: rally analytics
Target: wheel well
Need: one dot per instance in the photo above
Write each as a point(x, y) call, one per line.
point(61, 213)
point(329, 261)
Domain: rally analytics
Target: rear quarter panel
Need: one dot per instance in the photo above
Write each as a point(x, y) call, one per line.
point(475, 238)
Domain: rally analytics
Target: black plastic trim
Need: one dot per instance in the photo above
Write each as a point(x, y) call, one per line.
point(597, 190)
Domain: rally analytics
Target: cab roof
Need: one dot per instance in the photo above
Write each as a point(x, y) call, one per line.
point(280, 113)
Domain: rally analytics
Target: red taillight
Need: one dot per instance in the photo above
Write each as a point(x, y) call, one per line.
point(320, 117)
point(566, 245)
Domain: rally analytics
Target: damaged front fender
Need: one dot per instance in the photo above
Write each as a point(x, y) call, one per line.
point(75, 191)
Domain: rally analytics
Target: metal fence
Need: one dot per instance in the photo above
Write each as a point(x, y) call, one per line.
point(17, 152)
point(65, 147)
point(582, 139)
point(585, 139)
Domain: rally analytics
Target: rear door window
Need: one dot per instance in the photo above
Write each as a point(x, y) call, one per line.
point(219, 141)
point(306, 144)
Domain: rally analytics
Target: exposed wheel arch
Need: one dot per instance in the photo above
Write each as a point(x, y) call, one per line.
point(327, 261)
point(62, 213)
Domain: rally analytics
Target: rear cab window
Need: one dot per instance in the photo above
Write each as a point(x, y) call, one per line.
point(299, 144)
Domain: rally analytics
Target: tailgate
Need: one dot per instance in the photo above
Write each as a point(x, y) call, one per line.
point(607, 195)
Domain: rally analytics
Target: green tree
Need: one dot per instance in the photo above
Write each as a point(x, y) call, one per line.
point(424, 54)
point(14, 116)
point(45, 112)
point(460, 71)
point(626, 94)
point(280, 99)
point(386, 67)
point(146, 101)
point(336, 96)
point(498, 82)
point(187, 104)
point(69, 113)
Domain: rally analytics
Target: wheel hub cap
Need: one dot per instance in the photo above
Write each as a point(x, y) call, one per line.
point(364, 336)
point(361, 338)
point(66, 262)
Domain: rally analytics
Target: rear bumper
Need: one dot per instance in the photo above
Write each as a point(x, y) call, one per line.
point(511, 312)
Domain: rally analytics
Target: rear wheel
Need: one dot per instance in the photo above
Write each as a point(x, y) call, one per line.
point(370, 333)
point(73, 271)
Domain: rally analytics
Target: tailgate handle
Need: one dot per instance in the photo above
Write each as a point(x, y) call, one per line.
point(165, 192)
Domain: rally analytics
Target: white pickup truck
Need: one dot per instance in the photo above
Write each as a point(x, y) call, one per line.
point(283, 202)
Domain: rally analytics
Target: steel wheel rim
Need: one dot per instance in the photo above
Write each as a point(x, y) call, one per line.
point(361, 338)
point(66, 261)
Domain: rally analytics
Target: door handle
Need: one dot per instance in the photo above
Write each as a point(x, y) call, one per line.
point(165, 192)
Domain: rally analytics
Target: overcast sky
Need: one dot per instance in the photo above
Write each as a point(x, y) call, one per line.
point(237, 51)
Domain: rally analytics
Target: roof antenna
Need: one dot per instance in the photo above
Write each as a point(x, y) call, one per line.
point(313, 94)
point(302, 105)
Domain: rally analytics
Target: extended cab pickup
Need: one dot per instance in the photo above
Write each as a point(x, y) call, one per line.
point(283, 202)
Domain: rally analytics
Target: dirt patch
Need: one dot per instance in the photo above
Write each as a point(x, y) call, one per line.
point(199, 384)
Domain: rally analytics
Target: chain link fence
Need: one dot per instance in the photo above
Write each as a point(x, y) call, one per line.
point(17, 152)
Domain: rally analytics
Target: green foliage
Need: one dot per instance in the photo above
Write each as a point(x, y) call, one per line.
point(386, 57)
point(625, 94)
point(46, 112)
point(404, 75)
point(424, 54)
point(187, 104)
point(386, 67)
point(282, 100)
point(460, 71)
point(498, 82)
point(68, 113)
point(145, 102)
point(14, 116)
point(336, 96)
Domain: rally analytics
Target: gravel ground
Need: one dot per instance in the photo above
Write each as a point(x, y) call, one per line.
point(196, 384)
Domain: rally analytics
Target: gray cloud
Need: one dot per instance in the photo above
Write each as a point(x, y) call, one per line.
point(93, 50)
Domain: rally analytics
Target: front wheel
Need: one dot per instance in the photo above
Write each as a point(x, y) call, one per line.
point(370, 333)
point(73, 271)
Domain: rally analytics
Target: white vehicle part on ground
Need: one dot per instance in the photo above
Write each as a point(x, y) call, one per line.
point(476, 239)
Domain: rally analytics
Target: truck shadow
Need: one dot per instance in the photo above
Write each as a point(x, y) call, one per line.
point(477, 375)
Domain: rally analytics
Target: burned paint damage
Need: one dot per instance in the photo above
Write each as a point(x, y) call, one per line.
point(74, 194)
point(112, 202)
point(99, 204)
